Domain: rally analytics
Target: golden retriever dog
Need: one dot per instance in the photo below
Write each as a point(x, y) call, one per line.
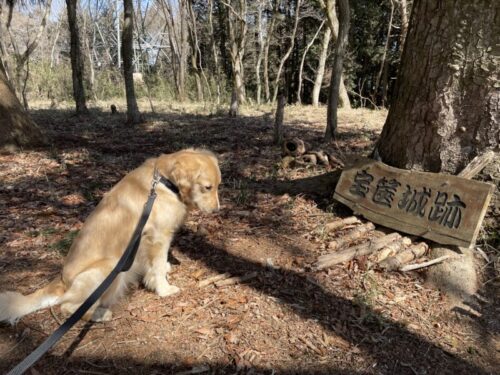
point(108, 230)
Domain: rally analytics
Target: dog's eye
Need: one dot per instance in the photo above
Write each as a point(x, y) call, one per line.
point(208, 187)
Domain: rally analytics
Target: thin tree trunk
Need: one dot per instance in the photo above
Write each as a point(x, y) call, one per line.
point(403, 9)
point(288, 52)
point(76, 59)
point(269, 35)
point(260, 42)
point(318, 82)
point(133, 115)
point(301, 68)
point(214, 49)
point(333, 99)
point(384, 55)
point(444, 109)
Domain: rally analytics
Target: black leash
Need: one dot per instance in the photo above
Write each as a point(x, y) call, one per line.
point(123, 265)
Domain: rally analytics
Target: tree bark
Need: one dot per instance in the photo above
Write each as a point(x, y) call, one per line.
point(76, 59)
point(133, 115)
point(260, 53)
point(445, 106)
point(333, 98)
point(318, 82)
point(17, 129)
point(328, 7)
point(269, 34)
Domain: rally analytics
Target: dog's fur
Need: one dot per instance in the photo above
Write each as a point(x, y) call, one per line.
point(108, 230)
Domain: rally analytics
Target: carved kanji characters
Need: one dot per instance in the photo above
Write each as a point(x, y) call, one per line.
point(361, 184)
point(414, 201)
point(384, 193)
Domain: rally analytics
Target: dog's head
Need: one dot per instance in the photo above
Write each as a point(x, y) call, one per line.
point(197, 175)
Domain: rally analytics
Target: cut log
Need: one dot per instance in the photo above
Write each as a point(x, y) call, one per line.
point(293, 147)
point(397, 261)
point(337, 224)
point(321, 156)
point(356, 251)
point(392, 249)
point(476, 165)
point(354, 234)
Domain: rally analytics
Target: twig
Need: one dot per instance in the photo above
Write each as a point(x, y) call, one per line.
point(56, 318)
point(483, 254)
point(213, 279)
point(411, 267)
point(236, 280)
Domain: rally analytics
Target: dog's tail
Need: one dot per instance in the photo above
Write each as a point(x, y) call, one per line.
point(14, 305)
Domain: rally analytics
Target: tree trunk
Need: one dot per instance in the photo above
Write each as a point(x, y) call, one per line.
point(260, 43)
point(403, 10)
point(301, 68)
point(333, 98)
point(133, 115)
point(17, 129)
point(444, 110)
point(318, 82)
point(329, 9)
point(270, 31)
point(76, 58)
point(288, 52)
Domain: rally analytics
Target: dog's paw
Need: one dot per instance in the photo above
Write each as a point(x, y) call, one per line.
point(167, 290)
point(102, 314)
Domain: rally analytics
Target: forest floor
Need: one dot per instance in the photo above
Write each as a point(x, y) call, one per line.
point(288, 319)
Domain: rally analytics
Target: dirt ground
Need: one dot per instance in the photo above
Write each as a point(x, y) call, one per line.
point(288, 319)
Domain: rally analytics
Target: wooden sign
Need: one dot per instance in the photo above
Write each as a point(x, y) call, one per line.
point(443, 208)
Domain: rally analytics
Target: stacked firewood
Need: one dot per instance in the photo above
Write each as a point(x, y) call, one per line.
point(389, 251)
point(294, 152)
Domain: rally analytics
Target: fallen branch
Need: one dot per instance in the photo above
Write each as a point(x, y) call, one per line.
point(354, 234)
point(213, 279)
point(356, 251)
point(411, 267)
point(397, 261)
point(337, 224)
point(476, 165)
point(236, 280)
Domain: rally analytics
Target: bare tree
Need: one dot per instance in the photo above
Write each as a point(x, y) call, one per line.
point(320, 71)
point(76, 58)
point(176, 22)
point(133, 115)
point(328, 7)
point(333, 97)
point(269, 35)
point(214, 49)
point(260, 53)
point(289, 50)
point(237, 29)
point(301, 68)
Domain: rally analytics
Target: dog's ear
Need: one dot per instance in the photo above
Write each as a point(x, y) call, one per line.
point(183, 176)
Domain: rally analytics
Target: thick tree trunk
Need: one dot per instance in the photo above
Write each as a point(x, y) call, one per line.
point(133, 115)
point(333, 97)
point(320, 72)
point(16, 127)
point(444, 110)
point(76, 58)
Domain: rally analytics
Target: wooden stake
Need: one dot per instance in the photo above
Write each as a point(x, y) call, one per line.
point(396, 262)
point(354, 234)
point(366, 248)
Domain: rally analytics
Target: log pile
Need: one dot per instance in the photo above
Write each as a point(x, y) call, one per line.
point(295, 152)
point(387, 251)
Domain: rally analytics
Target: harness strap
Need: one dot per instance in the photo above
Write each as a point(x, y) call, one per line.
point(124, 264)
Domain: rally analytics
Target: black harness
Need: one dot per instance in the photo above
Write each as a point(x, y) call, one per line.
point(123, 265)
